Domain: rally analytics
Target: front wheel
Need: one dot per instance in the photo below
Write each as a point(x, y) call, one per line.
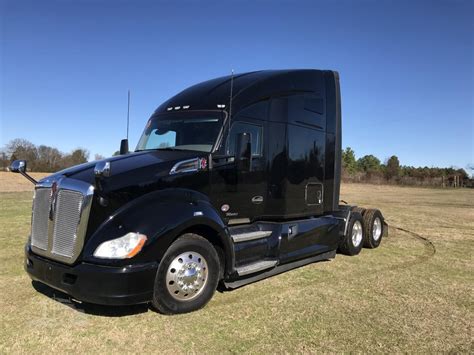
point(187, 276)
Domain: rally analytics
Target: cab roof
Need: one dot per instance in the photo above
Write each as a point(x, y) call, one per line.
point(247, 88)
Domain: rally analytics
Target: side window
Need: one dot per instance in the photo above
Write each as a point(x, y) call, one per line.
point(257, 110)
point(255, 137)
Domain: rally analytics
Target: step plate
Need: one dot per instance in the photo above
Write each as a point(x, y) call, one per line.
point(244, 237)
point(256, 267)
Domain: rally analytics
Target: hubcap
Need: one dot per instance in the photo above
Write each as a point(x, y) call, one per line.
point(377, 229)
point(186, 276)
point(357, 233)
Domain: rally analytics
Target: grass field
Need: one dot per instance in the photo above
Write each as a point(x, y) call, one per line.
point(409, 295)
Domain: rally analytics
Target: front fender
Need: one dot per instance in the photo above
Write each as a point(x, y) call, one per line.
point(162, 216)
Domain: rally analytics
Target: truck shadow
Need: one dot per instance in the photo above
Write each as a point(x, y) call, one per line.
point(123, 311)
point(88, 308)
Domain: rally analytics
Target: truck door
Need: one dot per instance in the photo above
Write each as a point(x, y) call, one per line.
point(240, 195)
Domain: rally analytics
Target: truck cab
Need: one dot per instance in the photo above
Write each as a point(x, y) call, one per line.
point(233, 180)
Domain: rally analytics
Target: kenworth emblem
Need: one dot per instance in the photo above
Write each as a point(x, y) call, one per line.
point(54, 195)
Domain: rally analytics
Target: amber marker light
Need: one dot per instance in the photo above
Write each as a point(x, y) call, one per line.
point(138, 248)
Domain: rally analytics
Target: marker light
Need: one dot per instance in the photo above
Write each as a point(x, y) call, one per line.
point(121, 248)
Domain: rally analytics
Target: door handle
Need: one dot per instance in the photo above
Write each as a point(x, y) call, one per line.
point(319, 196)
point(292, 231)
point(257, 200)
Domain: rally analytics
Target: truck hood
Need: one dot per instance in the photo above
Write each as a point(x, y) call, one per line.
point(132, 168)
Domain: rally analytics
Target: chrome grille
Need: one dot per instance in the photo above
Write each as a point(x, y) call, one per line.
point(60, 237)
point(66, 220)
point(40, 218)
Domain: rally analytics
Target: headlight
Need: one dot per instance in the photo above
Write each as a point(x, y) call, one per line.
point(121, 248)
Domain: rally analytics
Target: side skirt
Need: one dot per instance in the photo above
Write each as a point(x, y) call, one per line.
point(280, 269)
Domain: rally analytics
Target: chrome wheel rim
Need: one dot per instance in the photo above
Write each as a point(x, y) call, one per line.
point(356, 233)
point(186, 276)
point(377, 229)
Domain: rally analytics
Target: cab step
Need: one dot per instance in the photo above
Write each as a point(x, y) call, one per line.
point(256, 267)
point(245, 237)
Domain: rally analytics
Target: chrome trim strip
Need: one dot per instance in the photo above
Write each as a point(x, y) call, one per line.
point(189, 170)
point(238, 221)
point(256, 267)
point(244, 237)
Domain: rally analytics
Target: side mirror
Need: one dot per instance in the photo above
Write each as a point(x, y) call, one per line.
point(18, 166)
point(243, 151)
point(124, 146)
point(102, 169)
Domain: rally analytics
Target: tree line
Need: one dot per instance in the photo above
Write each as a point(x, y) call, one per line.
point(371, 170)
point(40, 158)
point(368, 168)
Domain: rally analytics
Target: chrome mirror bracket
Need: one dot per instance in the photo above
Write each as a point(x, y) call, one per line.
point(19, 166)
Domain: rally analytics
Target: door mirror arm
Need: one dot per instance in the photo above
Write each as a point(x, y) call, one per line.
point(19, 166)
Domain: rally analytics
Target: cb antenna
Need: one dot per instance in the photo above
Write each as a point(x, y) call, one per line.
point(128, 113)
point(231, 94)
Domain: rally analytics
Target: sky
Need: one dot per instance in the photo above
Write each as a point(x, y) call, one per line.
point(406, 67)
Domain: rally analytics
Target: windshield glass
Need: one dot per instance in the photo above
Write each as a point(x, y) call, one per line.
point(181, 131)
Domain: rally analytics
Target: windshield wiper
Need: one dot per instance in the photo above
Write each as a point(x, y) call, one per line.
point(164, 148)
point(168, 148)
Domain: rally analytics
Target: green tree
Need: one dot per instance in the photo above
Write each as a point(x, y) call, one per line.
point(392, 167)
point(369, 163)
point(349, 163)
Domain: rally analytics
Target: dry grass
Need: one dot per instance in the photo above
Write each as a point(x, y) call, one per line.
point(404, 296)
point(11, 182)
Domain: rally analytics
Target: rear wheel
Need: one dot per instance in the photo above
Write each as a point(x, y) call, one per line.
point(373, 228)
point(187, 276)
point(361, 210)
point(352, 242)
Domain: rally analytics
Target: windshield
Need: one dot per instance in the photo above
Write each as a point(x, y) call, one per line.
point(181, 131)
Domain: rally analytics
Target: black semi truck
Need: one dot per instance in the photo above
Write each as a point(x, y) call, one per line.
point(233, 180)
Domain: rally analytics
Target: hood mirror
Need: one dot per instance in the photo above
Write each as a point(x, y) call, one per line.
point(102, 169)
point(19, 166)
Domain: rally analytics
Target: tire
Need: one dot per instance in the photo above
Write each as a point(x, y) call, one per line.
point(361, 210)
point(187, 276)
point(374, 228)
point(354, 238)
